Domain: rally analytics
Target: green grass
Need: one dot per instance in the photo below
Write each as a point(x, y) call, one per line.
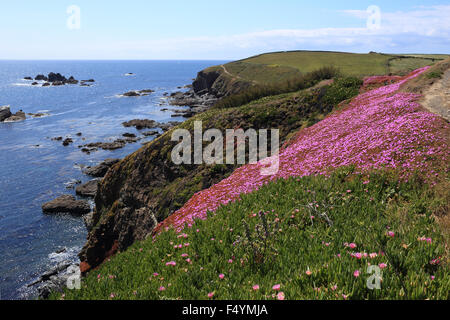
point(306, 61)
point(283, 64)
point(405, 65)
point(346, 208)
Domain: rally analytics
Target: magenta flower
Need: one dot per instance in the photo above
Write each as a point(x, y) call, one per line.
point(221, 276)
point(210, 295)
point(276, 287)
point(356, 273)
point(255, 287)
point(171, 263)
point(162, 289)
point(280, 296)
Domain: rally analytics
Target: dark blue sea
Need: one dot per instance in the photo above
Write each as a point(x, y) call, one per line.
point(34, 169)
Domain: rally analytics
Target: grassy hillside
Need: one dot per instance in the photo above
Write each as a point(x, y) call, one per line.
point(315, 237)
point(366, 186)
point(147, 187)
point(279, 66)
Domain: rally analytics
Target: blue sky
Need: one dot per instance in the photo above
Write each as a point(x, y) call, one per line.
point(200, 29)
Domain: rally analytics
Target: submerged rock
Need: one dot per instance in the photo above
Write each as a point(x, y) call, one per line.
point(38, 115)
point(141, 124)
point(67, 204)
point(137, 93)
point(67, 141)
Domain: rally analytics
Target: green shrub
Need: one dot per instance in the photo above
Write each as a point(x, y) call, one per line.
point(294, 84)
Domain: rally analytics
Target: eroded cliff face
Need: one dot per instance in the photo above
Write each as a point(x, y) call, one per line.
point(217, 82)
point(146, 187)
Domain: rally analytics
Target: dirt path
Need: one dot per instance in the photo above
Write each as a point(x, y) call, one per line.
point(234, 77)
point(437, 97)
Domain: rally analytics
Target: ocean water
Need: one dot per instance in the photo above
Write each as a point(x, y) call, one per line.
point(34, 169)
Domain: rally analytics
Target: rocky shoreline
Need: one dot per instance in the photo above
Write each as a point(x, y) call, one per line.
point(197, 99)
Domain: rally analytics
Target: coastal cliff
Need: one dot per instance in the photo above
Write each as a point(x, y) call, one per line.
point(219, 82)
point(147, 187)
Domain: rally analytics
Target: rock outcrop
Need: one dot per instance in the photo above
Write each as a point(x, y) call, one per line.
point(88, 189)
point(57, 79)
point(137, 93)
point(146, 187)
point(210, 85)
point(5, 113)
point(7, 116)
point(100, 170)
point(67, 204)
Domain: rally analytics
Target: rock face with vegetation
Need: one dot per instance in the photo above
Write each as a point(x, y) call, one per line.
point(261, 92)
point(147, 187)
point(366, 188)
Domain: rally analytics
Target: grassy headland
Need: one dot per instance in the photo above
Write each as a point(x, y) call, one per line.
point(366, 186)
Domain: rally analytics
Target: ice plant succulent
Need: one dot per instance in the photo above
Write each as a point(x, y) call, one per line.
point(382, 128)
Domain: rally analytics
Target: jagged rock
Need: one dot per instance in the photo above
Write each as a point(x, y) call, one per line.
point(168, 125)
point(35, 83)
point(27, 78)
point(88, 189)
point(129, 135)
point(57, 139)
point(141, 124)
point(205, 80)
point(38, 115)
point(46, 84)
point(72, 183)
point(55, 280)
point(104, 145)
point(5, 113)
point(137, 93)
point(89, 221)
point(41, 77)
point(56, 77)
point(72, 80)
point(131, 94)
point(67, 141)
point(101, 169)
point(67, 204)
point(18, 116)
point(150, 133)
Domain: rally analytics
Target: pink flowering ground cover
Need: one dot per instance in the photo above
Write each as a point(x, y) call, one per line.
point(382, 128)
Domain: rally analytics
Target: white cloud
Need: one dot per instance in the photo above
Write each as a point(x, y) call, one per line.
point(417, 30)
point(423, 29)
